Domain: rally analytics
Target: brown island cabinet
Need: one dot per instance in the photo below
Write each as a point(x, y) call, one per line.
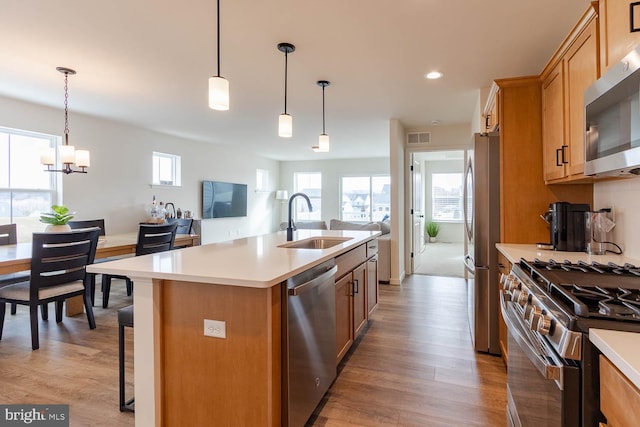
point(183, 377)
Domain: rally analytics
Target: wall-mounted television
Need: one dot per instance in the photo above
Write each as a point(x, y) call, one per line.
point(223, 199)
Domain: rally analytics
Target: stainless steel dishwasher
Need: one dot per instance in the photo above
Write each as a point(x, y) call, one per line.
point(310, 340)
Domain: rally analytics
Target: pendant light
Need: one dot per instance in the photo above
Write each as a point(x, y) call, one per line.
point(285, 121)
point(323, 139)
point(218, 85)
point(68, 154)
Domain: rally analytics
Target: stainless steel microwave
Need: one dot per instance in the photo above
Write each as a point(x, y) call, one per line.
point(612, 117)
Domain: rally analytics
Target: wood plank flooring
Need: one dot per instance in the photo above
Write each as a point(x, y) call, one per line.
point(414, 366)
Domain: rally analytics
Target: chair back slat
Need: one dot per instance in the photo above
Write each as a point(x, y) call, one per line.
point(58, 258)
point(88, 224)
point(8, 234)
point(155, 238)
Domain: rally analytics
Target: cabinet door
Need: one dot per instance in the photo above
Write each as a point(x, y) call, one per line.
point(581, 71)
point(359, 299)
point(344, 316)
point(616, 39)
point(555, 155)
point(372, 284)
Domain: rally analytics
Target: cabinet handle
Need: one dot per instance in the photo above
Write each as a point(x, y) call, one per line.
point(563, 156)
point(486, 121)
point(357, 286)
point(558, 150)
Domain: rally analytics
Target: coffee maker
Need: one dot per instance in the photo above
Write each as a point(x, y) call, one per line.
point(567, 226)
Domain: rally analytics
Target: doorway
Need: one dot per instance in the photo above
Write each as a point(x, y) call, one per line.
point(437, 237)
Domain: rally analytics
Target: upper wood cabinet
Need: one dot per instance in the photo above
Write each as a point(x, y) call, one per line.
point(573, 68)
point(616, 38)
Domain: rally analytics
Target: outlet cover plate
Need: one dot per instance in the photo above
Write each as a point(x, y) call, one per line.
point(215, 328)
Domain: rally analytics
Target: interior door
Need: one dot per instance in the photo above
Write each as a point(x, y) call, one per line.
point(417, 216)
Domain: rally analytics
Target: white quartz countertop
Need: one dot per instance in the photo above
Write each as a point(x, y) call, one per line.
point(514, 252)
point(621, 348)
point(252, 261)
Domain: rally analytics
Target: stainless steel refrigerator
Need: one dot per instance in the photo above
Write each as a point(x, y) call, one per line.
point(482, 230)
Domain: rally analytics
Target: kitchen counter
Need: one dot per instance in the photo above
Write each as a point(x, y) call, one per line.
point(621, 348)
point(184, 375)
point(514, 252)
point(253, 261)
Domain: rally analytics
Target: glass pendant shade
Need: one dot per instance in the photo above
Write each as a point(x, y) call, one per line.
point(323, 143)
point(67, 153)
point(285, 125)
point(218, 93)
point(48, 156)
point(82, 158)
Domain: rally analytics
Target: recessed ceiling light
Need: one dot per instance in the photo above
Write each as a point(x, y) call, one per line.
point(433, 75)
point(435, 122)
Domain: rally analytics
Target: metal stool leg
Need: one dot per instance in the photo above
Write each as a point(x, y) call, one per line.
point(125, 405)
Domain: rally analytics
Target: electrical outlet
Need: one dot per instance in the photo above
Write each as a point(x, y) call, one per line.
point(215, 328)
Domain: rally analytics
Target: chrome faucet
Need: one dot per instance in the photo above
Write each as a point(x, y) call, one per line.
point(290, 223)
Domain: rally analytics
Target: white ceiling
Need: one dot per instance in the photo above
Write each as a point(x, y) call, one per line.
point(147, 63)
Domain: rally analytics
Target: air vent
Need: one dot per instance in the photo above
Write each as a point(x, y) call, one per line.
point(418, 137)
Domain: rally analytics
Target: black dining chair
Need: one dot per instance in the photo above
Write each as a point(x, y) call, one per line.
point(151, 239)
point(76, 225)
point(9, 236)
point(58, 262)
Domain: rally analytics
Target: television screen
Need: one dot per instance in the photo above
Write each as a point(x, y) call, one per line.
point(223, 199)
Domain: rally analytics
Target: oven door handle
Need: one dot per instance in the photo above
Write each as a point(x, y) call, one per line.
point(539, 357)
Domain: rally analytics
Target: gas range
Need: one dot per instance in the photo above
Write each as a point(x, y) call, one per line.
point(558, 298)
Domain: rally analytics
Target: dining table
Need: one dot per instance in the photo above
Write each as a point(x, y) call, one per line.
point(16, 258)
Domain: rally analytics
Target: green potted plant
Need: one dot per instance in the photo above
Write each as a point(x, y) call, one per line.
point(432, 229)
point(57, 219)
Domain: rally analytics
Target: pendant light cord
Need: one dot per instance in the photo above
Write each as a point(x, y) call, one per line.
point(66, 108)
point(286, 54)
point(218, 18)
point(323, 132)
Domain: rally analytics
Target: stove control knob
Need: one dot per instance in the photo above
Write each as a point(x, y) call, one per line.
point(534, 317)
point(544, 325)
point(503, 279)
point(523, 298)
point(510, 283)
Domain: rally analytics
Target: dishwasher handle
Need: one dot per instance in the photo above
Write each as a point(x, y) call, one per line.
point(315, 282)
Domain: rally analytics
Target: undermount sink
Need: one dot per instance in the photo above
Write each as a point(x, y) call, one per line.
point(316, 243)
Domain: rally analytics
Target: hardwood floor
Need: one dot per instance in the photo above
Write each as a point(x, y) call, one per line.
point(413, 367)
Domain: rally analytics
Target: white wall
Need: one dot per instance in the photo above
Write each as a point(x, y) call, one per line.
point(399, 186)
point(624, 197)
point(117, 187)
point(332, 171)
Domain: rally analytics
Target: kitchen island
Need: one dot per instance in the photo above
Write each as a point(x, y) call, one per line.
point(183, 377)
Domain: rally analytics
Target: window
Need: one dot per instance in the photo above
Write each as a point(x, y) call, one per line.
point(309, 183)
point(166, 169)
point(262, 180)
point(26, 190)
point(446, 197)
point(365, 198)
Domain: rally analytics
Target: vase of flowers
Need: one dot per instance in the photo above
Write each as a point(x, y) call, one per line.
point(57, 220)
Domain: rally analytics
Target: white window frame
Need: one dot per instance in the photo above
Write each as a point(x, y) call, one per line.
point(371, 211)
point(54, 189)
point(434, 214)
point(300, 211)
point(262, 180)
point(175, 170)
